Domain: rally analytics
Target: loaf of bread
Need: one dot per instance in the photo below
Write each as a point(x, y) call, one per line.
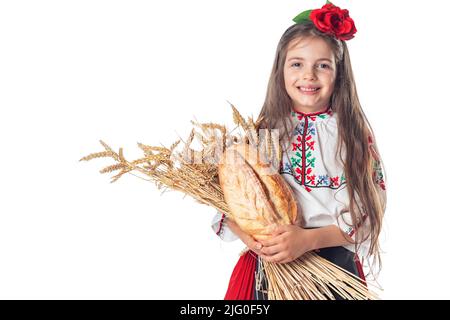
point(257, 195)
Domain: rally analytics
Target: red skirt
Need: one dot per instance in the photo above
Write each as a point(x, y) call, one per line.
point(242, 280)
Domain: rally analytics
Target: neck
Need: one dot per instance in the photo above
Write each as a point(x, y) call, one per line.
point(306, 110)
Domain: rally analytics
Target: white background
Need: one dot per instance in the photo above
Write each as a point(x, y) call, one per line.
point(75, 72)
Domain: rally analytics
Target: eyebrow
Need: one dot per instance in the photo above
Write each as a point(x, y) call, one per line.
point(300, 58)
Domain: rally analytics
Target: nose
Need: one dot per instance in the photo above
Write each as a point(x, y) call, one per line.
point(309, 74)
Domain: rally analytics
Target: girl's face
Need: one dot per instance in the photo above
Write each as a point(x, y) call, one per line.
point(309, 74)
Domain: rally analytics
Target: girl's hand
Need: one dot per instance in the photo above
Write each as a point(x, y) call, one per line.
point(251, 243)
point(248, 240)
point(287, 244)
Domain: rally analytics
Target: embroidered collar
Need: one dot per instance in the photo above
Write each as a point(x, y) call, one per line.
point(324, 114)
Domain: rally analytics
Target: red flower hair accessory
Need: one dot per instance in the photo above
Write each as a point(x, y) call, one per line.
point(330, 19)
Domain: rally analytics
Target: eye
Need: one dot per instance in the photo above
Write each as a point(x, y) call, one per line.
point(295, 64)
point(324, 66)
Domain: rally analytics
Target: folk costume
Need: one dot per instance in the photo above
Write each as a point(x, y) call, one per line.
point(314, 170)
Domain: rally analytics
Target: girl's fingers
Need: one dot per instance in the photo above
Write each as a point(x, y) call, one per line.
point(274, 238)
point(272, 250)
point(280, 229)
point(256, 248)
point(253, 245)
point(275, 258)
point(270, 241)
point(257, 245)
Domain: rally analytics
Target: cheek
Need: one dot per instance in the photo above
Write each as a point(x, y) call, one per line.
point(329, 80)
point(330, 89)
point(331, 85)
point(287, 76)
point(289, 79)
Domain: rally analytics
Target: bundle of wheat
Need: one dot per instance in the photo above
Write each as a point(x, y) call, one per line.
point(196, 173)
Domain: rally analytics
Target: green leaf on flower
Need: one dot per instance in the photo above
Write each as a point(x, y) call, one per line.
point(302, 17)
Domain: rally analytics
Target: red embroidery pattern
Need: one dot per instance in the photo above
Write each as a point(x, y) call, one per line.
point(302, 159)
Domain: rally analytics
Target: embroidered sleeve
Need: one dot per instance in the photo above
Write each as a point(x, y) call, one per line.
point(220, 227)
point(344, 222)
point(378, 175)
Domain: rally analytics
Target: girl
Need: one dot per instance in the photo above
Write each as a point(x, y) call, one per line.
point(330, 157)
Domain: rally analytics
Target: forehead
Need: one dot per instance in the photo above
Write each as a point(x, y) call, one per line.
point(309, 48)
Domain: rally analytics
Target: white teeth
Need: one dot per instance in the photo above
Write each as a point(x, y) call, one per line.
point(309, 89)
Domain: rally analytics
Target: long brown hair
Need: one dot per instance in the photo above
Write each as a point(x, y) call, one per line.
point(354, 131)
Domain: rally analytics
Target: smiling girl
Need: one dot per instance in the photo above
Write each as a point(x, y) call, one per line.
point(330, 157)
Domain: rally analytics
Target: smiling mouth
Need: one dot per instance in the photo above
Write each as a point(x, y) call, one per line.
point(305, 89)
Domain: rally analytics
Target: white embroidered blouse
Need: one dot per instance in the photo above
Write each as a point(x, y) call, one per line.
point(316, 176)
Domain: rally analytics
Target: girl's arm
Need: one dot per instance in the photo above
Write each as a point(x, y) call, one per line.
point(329, 236)
point(291, 241)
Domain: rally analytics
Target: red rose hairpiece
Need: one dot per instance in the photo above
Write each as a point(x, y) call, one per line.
point(330, 19)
